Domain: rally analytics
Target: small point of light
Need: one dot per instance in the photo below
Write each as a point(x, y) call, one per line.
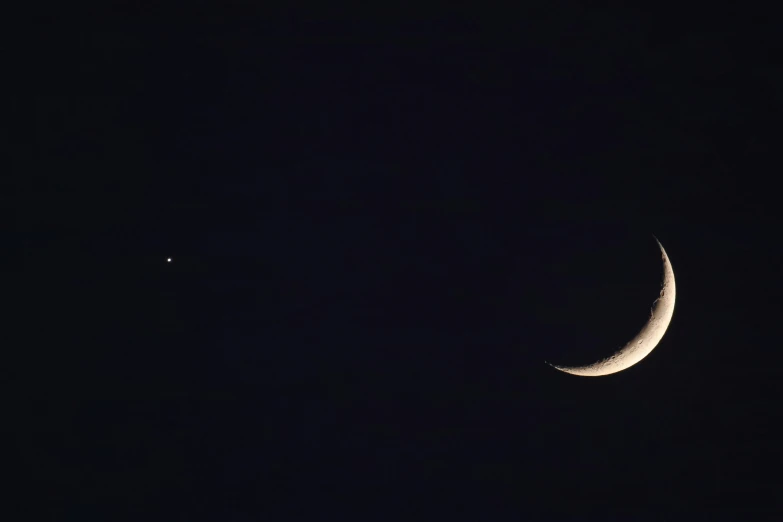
point(168, 260)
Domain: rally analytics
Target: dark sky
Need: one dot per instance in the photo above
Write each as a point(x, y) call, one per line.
point(381, 226)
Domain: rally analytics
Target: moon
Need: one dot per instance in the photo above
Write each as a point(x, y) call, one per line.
point(648, 337)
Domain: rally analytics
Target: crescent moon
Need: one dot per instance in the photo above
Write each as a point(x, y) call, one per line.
point(648, 337)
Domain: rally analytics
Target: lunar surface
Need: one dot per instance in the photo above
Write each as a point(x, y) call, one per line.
point(646, 340)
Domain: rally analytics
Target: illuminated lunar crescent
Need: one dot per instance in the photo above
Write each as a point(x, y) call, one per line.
point(648, 337)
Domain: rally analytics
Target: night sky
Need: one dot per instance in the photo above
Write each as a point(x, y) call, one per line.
point(381, 226)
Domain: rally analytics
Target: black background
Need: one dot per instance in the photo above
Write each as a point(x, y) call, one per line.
point(381, 226)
